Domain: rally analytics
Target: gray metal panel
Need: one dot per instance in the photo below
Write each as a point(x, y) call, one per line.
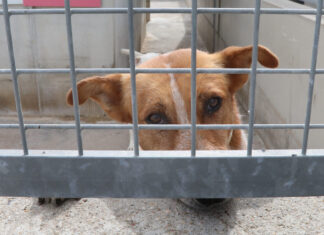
point(161, 173)
point(161, 177)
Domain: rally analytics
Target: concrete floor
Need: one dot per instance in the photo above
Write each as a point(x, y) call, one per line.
point(147, 216)
point(162, 216)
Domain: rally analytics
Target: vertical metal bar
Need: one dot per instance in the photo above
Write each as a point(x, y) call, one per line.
point(14, 76)
point(133, 74)
point(73, 76)
point(312, 75)
point(193, 76)
point(253, 75)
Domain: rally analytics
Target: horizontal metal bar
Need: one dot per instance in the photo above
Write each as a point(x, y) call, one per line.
point(35, 11)
point(62, 11)
point(77, 70)
point(164, 70)
point(63, 70)
point(161, 10)
point(164, 10)
point(162, 127)
point(228, 70)
point(173, 175)
point(163, 154)
point(99, 10)
point(262, 11)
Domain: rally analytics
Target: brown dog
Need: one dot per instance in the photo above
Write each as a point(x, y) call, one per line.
point(165, 98)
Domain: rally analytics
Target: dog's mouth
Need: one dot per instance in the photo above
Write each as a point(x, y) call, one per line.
point(181, 141)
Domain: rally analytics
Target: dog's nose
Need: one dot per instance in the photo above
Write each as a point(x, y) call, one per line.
point(183, 140)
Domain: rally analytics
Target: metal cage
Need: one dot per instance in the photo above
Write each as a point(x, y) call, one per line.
point(245, 173)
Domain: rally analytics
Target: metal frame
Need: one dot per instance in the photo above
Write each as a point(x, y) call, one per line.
point(244, 173)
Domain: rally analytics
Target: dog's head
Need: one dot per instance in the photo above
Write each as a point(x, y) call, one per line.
point(165, 98)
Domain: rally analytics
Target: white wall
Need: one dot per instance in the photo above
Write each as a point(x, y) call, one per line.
point(40, 42)
point(280, 98)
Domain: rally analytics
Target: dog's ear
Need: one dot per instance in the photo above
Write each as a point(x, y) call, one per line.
point(241, 57)
point(107, 92)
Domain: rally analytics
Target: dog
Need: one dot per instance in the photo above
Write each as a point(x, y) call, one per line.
point(166, 99)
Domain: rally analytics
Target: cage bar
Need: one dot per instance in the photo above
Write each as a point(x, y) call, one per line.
point(73, 76)
point(193, 76)
point(312, 75)
point(253, 75)
point(133, 75)
point(14, 76)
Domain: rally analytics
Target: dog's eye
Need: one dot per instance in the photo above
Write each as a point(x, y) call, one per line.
point(213, 104)
point(156, 118)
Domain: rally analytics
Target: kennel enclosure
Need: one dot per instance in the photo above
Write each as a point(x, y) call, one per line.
point(205, 174)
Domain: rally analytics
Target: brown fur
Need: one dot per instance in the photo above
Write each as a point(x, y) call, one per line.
point(154, 95)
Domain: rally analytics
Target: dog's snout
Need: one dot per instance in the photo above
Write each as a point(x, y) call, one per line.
point(204, 141)
point(203, 144)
